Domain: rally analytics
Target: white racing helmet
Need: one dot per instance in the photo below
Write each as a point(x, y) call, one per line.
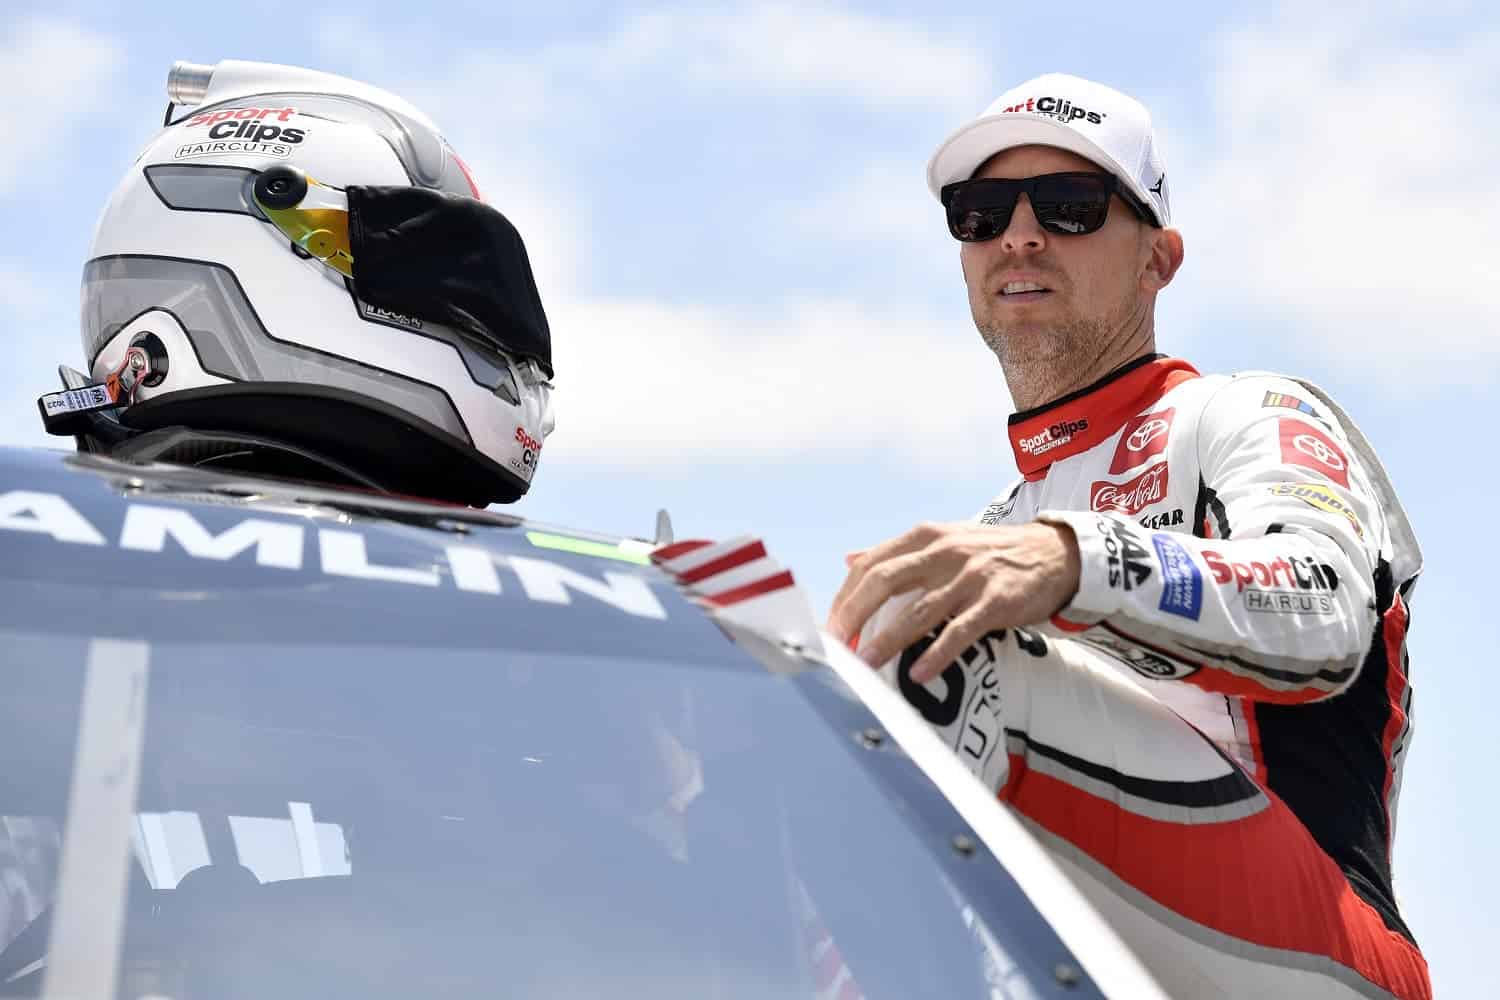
point(303, 258)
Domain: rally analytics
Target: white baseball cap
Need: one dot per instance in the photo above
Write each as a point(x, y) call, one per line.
point(1096, 122)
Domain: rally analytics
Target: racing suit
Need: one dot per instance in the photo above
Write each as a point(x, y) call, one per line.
point(1210, 735)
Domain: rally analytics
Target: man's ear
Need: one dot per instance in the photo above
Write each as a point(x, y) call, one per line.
point(1164, 257)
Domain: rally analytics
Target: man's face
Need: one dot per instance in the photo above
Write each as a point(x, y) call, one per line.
point(1092, 284)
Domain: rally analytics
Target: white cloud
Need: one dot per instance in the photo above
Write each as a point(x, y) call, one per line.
point(805, 49)
point(1350, 192)
point(656, 382)
point(502, 110)
point(53, 71)
point(887, 202)
point(886, 224)
point(808, 51)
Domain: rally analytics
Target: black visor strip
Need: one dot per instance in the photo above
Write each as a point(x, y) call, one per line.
point(450, 260)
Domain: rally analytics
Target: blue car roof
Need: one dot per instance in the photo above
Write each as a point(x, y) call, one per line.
point(176, 552)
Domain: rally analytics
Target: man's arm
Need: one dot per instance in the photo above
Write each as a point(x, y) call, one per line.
point(1279, 602)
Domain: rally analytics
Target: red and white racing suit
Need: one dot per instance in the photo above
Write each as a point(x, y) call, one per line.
point(1210, 735)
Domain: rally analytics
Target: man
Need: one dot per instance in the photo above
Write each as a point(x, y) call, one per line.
point(1229, 800)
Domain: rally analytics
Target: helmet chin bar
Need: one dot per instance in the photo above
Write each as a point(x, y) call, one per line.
point(291, 431)
point(362, 441)
point(245, 453)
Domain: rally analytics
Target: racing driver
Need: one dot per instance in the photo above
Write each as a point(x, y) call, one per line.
point(1176, 647)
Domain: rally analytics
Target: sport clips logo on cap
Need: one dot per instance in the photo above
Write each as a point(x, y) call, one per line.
point(1061, 108)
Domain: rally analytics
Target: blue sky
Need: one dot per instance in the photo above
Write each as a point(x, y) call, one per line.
point(757, 314)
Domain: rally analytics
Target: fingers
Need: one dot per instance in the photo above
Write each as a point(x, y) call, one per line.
point(983, 579)
point(961, 633)
point(915, 621)
point(844, 621)
point(861, 562)
point(879, 584)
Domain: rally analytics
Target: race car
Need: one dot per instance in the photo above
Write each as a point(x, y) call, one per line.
point(279, 740)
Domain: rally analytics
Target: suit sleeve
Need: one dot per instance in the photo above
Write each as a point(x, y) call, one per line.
point(1274, 597)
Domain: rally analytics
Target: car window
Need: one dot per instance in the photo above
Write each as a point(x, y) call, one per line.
point(383, 821)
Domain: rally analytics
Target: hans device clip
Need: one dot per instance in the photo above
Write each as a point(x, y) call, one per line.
point(66, 412)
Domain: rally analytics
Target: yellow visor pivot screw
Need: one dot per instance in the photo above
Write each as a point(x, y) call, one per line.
point(280, 187)
point(315, 217)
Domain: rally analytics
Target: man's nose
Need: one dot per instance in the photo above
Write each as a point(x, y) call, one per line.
point(1024, 234)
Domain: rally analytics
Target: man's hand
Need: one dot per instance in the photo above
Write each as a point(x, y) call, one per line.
point(982, 577)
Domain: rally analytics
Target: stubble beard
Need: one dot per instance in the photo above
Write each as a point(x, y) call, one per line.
point(1042, 364)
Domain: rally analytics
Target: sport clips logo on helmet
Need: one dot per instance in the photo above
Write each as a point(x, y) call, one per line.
point(259, 131)
point(530, 447)
point(1061, 108)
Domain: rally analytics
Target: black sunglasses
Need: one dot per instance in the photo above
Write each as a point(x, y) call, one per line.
point(1068, 204)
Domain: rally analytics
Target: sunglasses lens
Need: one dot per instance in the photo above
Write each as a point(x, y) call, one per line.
point(976, 225)
point(1071, 205)
point(979, 210)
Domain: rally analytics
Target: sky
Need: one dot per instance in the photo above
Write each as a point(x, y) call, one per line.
point(757, 314)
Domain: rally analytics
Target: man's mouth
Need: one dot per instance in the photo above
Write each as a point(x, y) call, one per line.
point(1024, 291)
